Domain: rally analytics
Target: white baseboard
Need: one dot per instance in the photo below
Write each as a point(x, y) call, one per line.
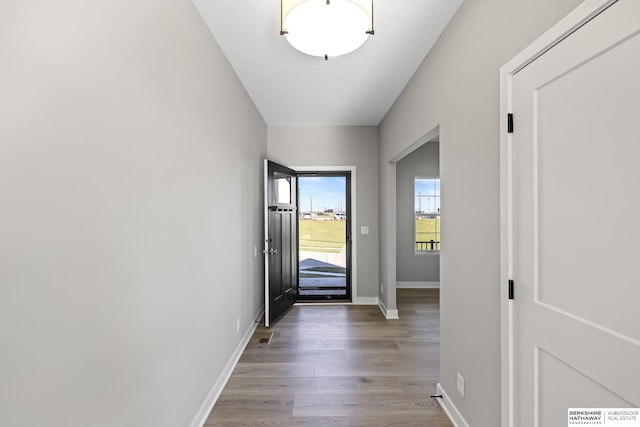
point(388, 314)
point(450, 409)
point(216, 390)
point(365, 301)
point(418, 285)
point(356, 301)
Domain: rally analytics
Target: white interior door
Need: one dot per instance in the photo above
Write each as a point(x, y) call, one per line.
point(576, 207)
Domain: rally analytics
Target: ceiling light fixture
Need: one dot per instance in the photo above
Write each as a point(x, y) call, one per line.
point(326, 28)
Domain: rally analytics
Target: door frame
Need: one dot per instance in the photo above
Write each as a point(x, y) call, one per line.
point(348, 236)
point(564, 28)
point(354, 217)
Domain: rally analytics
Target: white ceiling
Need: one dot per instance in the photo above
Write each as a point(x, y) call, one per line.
point(291, 88)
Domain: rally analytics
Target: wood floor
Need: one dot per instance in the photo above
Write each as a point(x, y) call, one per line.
point(340, 366)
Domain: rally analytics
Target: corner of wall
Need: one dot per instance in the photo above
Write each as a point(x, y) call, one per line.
point(449, 408)
point(388, 314)
point(208, 404)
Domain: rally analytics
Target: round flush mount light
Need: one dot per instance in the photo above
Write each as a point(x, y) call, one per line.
point(326, 28)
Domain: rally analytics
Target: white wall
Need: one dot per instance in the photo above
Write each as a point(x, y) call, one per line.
point(412, 267)
point(456, 88)
point(340, 146)
point(130, 182)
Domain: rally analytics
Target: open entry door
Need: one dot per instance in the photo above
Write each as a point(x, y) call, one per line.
point(280, 248)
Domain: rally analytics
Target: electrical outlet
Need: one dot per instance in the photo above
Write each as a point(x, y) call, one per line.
point(460, 384)
point(255, 251)
point(238, 326)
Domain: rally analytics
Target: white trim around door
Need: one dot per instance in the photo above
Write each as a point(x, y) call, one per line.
point(569, 24)
point(354, 226)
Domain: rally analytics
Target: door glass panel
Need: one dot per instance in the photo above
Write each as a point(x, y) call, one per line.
point(323, 241)
point(282, 188)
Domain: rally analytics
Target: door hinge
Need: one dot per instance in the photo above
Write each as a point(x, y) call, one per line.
point(510, 289)
point(509, 123)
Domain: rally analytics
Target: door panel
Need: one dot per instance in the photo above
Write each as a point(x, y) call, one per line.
point(280, 241)
point(576, 147)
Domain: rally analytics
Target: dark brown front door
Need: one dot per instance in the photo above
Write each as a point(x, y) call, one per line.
point(281, 255)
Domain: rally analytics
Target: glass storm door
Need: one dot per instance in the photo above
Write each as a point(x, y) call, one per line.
point(324, 237)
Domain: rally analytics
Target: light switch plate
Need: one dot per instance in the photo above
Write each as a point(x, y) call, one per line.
point(364, 229)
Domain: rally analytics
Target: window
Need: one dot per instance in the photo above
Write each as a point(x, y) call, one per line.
point(282, 188)
point(427, 214)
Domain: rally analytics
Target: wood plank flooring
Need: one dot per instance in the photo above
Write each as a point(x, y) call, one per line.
point(340, 366)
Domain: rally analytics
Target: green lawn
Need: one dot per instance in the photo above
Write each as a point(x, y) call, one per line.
point(322, 236)
point(329, 235)
point(428, 229)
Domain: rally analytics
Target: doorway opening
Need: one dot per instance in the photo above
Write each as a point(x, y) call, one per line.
point(324, 236)
point(418, 216)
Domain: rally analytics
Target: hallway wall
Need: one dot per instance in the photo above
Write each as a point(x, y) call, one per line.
point(131, 203)
point(456, 88)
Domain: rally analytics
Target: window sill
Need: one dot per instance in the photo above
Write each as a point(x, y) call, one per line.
point(427, 253)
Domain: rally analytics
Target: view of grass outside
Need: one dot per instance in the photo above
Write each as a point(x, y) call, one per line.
point(322, 229)
point(322, 234)
point(427, 214)
point(427, 229)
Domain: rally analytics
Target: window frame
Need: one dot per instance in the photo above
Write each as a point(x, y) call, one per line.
point(413, 209)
